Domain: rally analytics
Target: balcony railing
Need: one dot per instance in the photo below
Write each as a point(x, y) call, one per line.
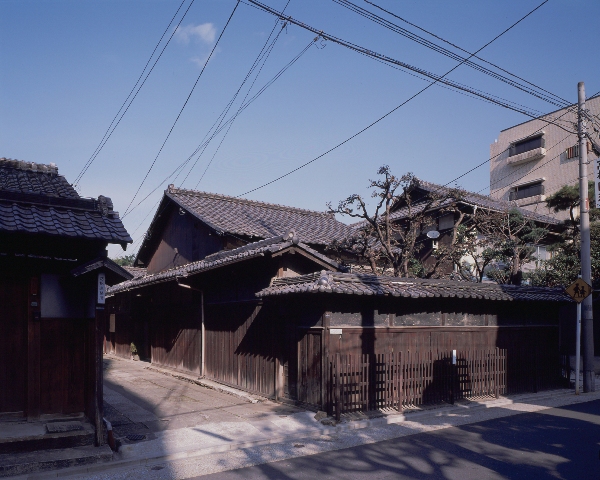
point(525, 192)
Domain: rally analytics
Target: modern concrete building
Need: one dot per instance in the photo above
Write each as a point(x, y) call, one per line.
point(532, 160)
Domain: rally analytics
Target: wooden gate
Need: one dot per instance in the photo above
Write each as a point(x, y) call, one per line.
point(13, 344)
point(309, 374)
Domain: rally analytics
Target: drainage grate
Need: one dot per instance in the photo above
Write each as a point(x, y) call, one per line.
point(135, 438)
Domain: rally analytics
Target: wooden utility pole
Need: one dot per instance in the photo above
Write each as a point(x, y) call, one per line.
point(587, 326)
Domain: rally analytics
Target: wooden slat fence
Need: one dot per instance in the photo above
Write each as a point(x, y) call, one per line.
point(401, 379)
point(398, 380)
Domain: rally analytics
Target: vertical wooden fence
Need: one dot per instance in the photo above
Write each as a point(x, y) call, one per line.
point(402, 379)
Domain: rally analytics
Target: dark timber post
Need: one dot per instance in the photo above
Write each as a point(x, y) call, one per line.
point(98, 373)
point(33, 349)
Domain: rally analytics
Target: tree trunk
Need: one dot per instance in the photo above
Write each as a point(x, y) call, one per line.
point(516, 275)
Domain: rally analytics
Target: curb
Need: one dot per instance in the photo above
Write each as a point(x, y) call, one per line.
point(203, 382)
point(206, 383)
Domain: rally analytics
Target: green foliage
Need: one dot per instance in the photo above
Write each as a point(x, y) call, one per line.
point(125, 261)
point(564, 266)
point(567, 198)
point(509, 238)
point(133, 349)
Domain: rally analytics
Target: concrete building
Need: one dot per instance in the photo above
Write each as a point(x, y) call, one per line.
point(532, 160)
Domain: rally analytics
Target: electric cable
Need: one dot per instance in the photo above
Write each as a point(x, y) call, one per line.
point(551, 98)
point(269, 10)
point(385, 58)
point(112, 128)
point(261, 60)
point(227, 122)
point(217, 123)
point(183, 107)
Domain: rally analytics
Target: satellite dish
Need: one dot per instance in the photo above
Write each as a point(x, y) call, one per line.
point(433, 234)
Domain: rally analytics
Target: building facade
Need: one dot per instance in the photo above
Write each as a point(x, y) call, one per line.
point(532, 160)
point(53, 271)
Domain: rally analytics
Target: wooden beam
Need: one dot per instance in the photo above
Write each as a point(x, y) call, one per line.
point(33, 349)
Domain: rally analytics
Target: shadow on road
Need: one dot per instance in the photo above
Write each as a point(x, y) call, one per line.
point(555, 443)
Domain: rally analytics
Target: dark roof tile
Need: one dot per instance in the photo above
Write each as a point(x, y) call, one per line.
point(251, 218)
point(35, 199)
point(359, 284)
point(219, 259)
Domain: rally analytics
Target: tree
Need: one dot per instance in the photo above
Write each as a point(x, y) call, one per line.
point(125, 260)
point(387, 240)
point(510, 238)
point(567, 198)
point(475, 253)
point(564, 266)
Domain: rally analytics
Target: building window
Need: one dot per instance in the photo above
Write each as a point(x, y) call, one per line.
point(527, 145)
point(446, 221)
point(525, 191)
point(573, 152)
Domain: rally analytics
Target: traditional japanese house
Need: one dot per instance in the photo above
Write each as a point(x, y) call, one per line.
point(189, 225)
point(204, 317)
point(53, 272)
point(443, 213)
point(271, 317)
point(386, 329)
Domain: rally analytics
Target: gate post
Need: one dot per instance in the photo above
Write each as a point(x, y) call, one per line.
point(338, 405)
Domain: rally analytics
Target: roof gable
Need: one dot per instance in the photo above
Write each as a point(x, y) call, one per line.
point(272, 246)
point(255, 219)
point(473, 199)
point(34, 199)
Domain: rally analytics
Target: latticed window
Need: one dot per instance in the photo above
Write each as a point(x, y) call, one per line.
point(573, 152)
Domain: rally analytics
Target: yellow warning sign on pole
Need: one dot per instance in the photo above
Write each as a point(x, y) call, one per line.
point(579, 290)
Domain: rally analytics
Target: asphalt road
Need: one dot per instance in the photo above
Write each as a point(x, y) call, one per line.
point(555, 443)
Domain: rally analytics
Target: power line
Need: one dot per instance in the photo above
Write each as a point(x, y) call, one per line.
point(385, 58)
point(261, 60)
point(273, 12)
point(373, 17)
point(111, 128)
point(262, 56)
point(228, 121)
point(183, 107)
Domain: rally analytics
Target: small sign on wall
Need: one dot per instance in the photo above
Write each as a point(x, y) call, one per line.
point(101, 288)
point(335, 331)
point(111, 326)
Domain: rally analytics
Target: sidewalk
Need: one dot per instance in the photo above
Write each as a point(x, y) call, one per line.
point(266, 431)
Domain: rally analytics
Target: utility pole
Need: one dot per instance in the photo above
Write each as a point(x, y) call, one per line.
point(587, 325)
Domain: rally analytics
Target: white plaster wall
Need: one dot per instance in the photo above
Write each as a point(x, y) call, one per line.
point(555, 168)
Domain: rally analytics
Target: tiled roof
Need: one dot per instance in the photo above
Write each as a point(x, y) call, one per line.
point(360, 284)
point(470, 198)
point(115, 273)
point(35, 199)
point(136, 271)
point(258, 219)
point(220, 259)
point(484, 201)
point(29, 177)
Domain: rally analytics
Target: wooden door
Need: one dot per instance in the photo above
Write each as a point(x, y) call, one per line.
point(309, 371)
point(62, 365)
point(289, 364)
point(13, 344)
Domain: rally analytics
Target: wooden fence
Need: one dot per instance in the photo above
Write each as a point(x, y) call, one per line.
point(402, 379)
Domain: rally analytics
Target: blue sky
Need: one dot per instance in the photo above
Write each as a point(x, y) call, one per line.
point(67, 66)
